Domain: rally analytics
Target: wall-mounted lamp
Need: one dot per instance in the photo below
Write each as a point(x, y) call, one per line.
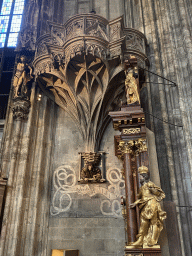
point(39, 97)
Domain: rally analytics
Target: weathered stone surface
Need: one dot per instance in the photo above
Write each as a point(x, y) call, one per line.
point(99, 236)
point(83, 200)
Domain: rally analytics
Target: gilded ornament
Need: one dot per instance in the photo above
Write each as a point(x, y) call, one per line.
point(151, 214)
point(131, 131)
point(126, 146)
point(141, 145)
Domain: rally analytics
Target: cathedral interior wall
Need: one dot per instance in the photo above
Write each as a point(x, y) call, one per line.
point(93, 222)
point(40, 156)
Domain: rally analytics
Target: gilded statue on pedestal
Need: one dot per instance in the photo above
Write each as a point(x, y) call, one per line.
point(22, 76)
point(132, 93)
point(151, 214)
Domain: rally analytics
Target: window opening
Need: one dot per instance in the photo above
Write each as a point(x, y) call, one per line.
point(10, 22)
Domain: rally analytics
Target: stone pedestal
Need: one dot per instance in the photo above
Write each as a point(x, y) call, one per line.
point(143, 252)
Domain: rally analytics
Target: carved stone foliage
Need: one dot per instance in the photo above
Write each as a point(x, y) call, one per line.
point(134, 41)
point(82, 90)
point(96, 28)
point(84, 30)
point(115, 30)
point(74, 28)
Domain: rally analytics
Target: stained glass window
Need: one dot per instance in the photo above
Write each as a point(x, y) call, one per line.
point(10, 22)
point(6, 7)
point(2, 40)
point(4, 20)
point(16, 23)
point(19, 6)
point(12, 41)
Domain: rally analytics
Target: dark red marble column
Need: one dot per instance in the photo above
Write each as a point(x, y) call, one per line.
point(130, 198)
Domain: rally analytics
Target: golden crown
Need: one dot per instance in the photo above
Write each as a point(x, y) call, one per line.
point(143, 169)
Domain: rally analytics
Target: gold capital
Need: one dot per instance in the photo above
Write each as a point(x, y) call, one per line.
point(141, 145)
point(134, 147)
point(126, 146)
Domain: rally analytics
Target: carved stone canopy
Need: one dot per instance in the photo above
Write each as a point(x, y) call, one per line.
point(88, 33)
point(79, 65)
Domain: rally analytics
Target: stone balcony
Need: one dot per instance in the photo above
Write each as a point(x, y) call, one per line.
point(89, 34)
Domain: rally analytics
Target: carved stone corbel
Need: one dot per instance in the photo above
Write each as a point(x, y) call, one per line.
point(20, 108)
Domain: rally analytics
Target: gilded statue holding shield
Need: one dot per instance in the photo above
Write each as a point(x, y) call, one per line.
point(151, 214)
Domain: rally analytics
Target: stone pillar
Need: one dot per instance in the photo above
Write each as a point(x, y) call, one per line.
point(20, 108)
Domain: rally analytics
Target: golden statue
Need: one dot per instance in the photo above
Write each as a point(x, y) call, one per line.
point(151, 214)
point(132, 94)
point(22, 76)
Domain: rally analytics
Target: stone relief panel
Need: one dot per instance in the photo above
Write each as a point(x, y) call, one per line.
point(115, 31)
point(134, 42)
point(96, 28)
point(74, 29)
point(68, 194)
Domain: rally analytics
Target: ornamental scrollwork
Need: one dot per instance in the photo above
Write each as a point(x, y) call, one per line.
point(66, 190)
